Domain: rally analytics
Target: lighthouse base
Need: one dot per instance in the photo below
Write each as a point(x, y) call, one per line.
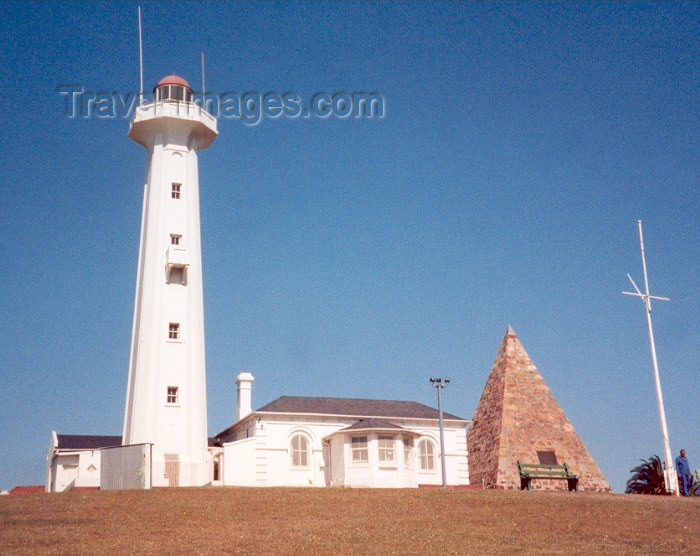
point(176, 470)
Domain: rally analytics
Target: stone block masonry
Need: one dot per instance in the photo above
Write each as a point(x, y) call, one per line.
point(518, 418)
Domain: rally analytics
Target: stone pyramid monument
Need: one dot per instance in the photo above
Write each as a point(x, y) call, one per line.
point(517, 418)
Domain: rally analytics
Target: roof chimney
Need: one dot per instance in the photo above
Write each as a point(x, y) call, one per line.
point(244, 384)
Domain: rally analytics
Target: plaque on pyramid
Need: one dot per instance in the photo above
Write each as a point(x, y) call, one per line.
point(518, 419)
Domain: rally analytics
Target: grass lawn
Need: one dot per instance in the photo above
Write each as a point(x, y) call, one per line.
point(347, 521)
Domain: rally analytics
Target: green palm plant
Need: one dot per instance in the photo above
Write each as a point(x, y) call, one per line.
point(647, 478)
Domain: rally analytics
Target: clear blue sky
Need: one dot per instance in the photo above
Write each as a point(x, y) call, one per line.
point(357, 257)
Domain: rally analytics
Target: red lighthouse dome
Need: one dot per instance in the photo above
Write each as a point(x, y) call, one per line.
point(173, 80)
point(173, 88)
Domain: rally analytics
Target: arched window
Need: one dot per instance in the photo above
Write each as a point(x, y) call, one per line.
point(426, 455)
point(299, 451)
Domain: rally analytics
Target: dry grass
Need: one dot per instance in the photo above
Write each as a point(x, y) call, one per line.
point(344, 521)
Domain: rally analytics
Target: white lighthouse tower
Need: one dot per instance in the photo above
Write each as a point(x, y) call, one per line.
point(166, 393)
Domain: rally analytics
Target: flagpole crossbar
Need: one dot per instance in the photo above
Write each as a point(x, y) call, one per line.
point(645, 296)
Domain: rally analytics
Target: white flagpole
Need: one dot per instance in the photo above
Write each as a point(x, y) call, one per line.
point(204, 92)
point(140, 62)
point(670, 471)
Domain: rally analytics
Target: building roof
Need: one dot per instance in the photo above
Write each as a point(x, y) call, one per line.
point(28, 489)
point(173, 80)
point(354, 407)
point(89, 442)
point(366, 424)
point(86, 442)
point(377, 425)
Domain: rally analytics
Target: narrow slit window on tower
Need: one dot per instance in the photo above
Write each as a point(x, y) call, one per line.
point(172, 395)
point(174, 331)
point(176, 190)
point(175, 239)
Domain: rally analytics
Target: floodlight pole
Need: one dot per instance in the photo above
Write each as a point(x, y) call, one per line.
point(439, 384)
point(669, 472)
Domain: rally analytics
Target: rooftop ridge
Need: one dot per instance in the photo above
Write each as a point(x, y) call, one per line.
point(360, 407)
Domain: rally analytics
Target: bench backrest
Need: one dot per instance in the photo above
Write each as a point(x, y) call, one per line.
point(544, 468)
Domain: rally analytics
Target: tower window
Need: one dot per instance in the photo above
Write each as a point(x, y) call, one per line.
point(172, 395)
point(175, 239)
point(174, 331)
point(175, 191)
point(177, 275)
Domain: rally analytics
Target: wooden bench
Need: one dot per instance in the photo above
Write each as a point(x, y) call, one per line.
point(529, 471)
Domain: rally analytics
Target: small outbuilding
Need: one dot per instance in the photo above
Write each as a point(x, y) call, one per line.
point(73, 460)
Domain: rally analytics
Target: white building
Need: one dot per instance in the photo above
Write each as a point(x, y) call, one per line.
point(290, 441)
point(166, 392)
point(303, 441)
point(73, 461)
